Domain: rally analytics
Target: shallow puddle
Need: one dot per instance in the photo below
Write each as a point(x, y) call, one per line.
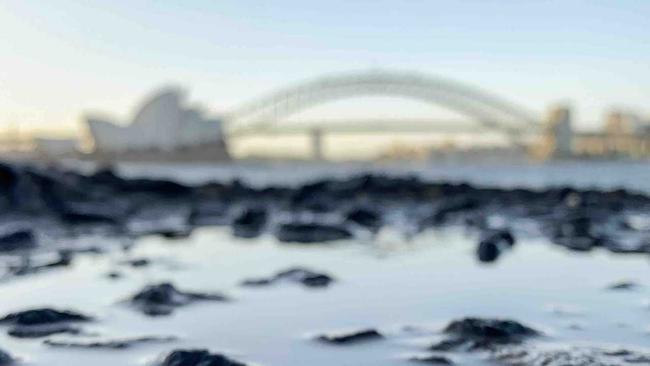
point(407, 289)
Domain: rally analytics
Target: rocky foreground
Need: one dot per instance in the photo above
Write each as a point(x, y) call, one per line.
point(69, 203)
point(41, 206)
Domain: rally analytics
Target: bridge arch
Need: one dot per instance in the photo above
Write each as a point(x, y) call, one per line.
point(489, 110)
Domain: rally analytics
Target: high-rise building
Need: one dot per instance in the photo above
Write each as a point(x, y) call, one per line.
point(618, 122)
point(558, 140)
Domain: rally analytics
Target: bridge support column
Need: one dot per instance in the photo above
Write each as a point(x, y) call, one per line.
point(317, 144)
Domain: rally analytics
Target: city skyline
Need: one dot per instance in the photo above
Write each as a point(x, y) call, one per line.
point(65, 58)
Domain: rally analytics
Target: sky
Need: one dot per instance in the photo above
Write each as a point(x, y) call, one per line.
point(62, 58)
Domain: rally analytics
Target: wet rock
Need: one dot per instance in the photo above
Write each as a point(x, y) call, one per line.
point(450, 207)
point(311, 233)
point(493, 244)
point(568, 356)
point(578, 233)
point(258, 282)
point(161, 299)
point(197, 358)
point(175, 234)
point(432, 360)
point(306, 277)
point(157, 187)
point(478, 333)
point(358, 336)
point(17, 240)
point(41, 331)
point(488, 251)
point(303, 276)
point(623, 286)
point(209, 213)
point(44, 316)
point(137, 263)
point(40, 323)
point(5, 358)
point(250, 223)
point(365, 218)
point(114, 275)
point(115, 344)
point(90, 213)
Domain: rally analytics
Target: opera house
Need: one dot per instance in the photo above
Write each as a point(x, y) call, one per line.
point(163, 128)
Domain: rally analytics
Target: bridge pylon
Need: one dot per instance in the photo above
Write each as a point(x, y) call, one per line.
point(316, 135)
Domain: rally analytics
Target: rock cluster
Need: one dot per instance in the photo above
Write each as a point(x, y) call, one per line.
point(479, 333)
point(317, 212)
point(198, 358)
point(303, 276)
point(569, 356)
point(161, 299)
point(363, 335)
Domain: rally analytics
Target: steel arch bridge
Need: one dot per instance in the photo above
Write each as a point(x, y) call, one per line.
point(489, 110)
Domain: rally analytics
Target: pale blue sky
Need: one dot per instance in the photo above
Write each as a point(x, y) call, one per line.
point(59, 58)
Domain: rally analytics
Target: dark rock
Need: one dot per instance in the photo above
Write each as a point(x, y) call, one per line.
point(158, 187)
point(504, 236)
point(162, 299)
point(89, 213)
point(250, 223)
point(623, 285)
point(450, 207)
point(209, 213)
point(43, 316)
point(175, 234)
point(477, 333)
point(493, 244)
point(449, 344)
point(364, 217)
point(351, 337)
point(432, 360)
point(478, 328)
point(311, 233)
point(488, 251)
point(198, 358)
point(578, 226)
point(116, 344)
point(258, 282)
point(40, 323)
point(17, 240)
point(41, 331)
point(571, 356)
point(578, 232)
point(113, 275)
point(303, 276)
point(106, 176)
point(5, 358)
point(137, 263)
point(306, 277)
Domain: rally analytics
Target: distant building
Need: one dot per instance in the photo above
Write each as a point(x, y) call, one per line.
point(619, 123)
point(625, 135)
point(162, 127)
point(558, 139)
